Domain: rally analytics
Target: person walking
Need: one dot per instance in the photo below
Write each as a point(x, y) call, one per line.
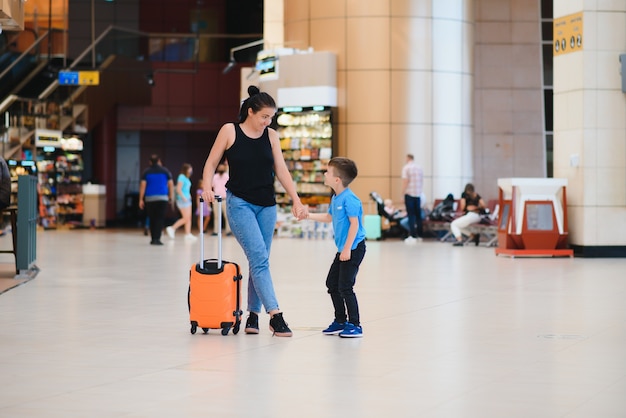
point(183, 203)
point(255, 159)
point(346, 214)
point(412, 185)
point(156, 189)
point(220, 178)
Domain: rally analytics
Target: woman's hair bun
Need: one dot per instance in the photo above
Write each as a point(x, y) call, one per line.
point(252, 90)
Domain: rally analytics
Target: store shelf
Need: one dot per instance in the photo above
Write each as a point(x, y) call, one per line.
point(306, 139)
point(60, 187)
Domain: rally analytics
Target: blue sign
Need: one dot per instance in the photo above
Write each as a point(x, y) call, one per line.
point(68, 78)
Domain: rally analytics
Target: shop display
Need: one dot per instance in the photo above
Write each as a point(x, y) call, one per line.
point(60, 184)
point(306, 139)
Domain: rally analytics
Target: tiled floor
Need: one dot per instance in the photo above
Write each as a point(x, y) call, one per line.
point(103, 331)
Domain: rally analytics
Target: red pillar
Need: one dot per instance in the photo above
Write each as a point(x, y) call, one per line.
point(105, 161)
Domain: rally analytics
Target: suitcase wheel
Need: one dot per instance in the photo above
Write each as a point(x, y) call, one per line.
point(225, 331)
point(205, 330)
point(194, 327)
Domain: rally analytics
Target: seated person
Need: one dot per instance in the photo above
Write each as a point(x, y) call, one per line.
point(391, 210)
point(472, 205)
point(397, 214)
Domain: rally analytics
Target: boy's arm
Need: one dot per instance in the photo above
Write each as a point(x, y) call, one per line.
point(347, 248)
point(320, 217)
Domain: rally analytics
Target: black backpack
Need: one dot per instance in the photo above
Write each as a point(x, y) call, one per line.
point(443, 211)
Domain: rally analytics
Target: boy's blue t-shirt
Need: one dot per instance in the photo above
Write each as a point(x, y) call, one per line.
point(342, 207)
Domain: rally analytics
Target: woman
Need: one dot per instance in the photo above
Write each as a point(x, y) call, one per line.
point(254, 158)
point(184, 203)
point(472, 204)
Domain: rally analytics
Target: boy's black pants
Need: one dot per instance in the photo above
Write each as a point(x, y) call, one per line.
point(340, 284)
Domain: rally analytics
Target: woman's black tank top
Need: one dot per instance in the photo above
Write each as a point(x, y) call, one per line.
point(251, 168)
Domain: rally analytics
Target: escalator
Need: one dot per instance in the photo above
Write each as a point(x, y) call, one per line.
point(16, 74)
point(38, 80)
point(32, 97)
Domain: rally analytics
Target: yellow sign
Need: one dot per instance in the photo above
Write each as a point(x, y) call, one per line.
point(88, 78)
point(568, 34)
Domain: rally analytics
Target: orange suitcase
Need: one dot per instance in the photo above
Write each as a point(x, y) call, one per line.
point(214, 296)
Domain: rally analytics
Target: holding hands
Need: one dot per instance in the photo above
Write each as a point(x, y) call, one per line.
point(299, 210)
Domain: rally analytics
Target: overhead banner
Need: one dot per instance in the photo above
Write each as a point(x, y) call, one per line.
point(568, 34)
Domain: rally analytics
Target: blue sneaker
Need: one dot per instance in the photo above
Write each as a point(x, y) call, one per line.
point(351, 331)
point(334, 328)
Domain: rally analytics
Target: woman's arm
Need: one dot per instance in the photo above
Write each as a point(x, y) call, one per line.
point(462, 205)
point(224, 140)
point(179, 189)
point(142, 192)
point(284, 176)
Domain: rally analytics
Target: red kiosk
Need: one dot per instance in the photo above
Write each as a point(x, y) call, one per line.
point(533, 217)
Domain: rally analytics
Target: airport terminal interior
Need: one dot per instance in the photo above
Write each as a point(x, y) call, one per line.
point(103, 331)
point(96, 321)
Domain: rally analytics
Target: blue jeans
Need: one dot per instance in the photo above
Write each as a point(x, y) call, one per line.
point(415, 216)
point(253, 226)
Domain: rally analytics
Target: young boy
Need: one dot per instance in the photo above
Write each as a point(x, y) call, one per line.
point(346, 214)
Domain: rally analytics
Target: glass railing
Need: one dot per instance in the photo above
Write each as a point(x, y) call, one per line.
point(45, 102)
point(165, 47)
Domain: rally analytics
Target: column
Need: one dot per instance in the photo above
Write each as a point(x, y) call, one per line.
point(404, 84)
point(590, 127)
point(452, 84)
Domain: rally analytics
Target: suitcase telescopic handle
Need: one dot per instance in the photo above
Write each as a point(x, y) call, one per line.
point(217, 221)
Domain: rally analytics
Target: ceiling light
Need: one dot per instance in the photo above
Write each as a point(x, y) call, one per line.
point(150, 79)
point(229, 67)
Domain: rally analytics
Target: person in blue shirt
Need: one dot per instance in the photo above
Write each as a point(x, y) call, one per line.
point(346, 214)
point(156, 189)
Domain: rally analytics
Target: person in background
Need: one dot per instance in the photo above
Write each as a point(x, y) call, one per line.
point(255, 159)
point(5, 184)
point(220, 178)
point(202, 206)
point(156, 189)
point(346, 214)
point(398, 214)
point(5, 188)
point(412, 185)
point(401, 215)
point(393, 211)
point(184, 204)
point(472, 204)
